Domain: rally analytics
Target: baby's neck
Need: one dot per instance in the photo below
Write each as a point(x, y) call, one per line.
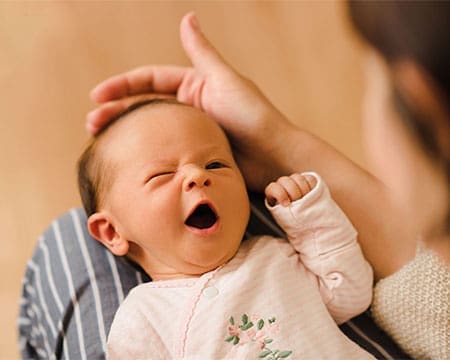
point(166, 277)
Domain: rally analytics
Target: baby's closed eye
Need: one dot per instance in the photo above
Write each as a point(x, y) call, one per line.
point(159, 175)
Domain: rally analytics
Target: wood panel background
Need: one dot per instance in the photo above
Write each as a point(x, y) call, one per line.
point(302, 54)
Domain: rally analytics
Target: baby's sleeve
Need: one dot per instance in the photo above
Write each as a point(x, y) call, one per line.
point(132, 336)
point(327, 245)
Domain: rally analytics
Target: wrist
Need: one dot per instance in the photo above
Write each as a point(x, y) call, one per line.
point(289, 146)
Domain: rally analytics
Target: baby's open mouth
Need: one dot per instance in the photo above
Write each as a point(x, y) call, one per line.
point(203, 217)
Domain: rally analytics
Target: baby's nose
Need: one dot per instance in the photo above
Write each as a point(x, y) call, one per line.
point(196, 177)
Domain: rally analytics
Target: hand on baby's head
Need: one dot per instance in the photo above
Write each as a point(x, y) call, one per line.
point(289, 188)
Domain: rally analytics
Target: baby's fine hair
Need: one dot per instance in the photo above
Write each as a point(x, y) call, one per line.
point(93, 177)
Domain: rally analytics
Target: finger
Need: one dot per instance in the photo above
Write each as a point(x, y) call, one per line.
point(198, 48)
point(99, 117)
point(305, 183)
point(145, 79)
point(312, 181)
point(291, 187)
point(276, 194)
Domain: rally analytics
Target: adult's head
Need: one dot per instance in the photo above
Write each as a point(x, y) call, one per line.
point(407, 104)
point(169, 193)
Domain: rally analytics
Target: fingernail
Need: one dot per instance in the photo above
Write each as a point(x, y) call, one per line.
point(285, 203)
point(89, 128)
point(93, 94)
point(194, 22)
point(89, 116)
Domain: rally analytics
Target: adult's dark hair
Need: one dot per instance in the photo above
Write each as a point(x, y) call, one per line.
point(417, 31)
point(93, 177)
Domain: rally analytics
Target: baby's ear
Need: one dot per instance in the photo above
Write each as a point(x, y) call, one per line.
point(102, 227)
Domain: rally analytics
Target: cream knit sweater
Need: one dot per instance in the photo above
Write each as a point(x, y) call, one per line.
point(413, 306)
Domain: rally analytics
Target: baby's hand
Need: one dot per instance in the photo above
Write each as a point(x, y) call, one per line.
point(289, 188)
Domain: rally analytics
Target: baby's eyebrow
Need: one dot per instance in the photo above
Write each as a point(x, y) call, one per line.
point(158, 164)
point(215, 150)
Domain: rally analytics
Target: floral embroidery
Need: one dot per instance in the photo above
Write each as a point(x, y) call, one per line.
point(256, 331)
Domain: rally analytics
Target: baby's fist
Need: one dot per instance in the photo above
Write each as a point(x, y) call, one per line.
point(289, 188)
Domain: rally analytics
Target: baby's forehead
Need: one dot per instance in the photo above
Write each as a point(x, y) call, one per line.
point(166, 114)
point(166, 123)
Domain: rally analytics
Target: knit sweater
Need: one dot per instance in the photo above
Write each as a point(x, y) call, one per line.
point(413, 306)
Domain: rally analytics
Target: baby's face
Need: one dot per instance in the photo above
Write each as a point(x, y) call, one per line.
point(176, 190)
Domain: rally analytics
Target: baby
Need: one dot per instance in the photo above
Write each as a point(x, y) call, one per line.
point(160, 185)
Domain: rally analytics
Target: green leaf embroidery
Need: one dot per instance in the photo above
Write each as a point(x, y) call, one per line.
point(232, 320)
point(268, 341)
point(285, 354)
point(236, 340)
point(229, 338)
point(246, 326)
point(260, 324)
point(264, 353)
point(244, 319)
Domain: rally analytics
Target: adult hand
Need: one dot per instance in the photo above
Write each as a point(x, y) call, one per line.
point(266, 145)
point(254, 126)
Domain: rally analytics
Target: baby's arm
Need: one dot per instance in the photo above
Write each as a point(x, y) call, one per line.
point(325, 240)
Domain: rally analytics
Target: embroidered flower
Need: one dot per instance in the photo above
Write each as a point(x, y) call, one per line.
point(254, 331)
point(234, 330)
point(258, 336)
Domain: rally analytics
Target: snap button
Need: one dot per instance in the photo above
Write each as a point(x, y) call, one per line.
point(210, 292)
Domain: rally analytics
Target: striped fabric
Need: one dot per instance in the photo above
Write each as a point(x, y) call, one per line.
point(73, 286)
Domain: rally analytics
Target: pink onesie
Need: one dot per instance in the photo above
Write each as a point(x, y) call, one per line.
point(274, 299)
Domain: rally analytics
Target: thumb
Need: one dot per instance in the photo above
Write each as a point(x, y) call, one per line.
point(197, 47)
